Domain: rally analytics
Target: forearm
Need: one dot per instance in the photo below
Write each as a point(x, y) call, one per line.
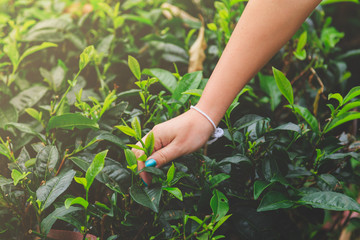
point(264, 27)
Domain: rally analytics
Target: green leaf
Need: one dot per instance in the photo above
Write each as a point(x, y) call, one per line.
point(95, 168)
point(288, 127)
point(348, 107)
point(81, 180)
point(174, 191)
point(336, 96)
point(330, 201)
point(247, 120)
point(8, 114)
point(28, 97)
point(341, 119)
point(188, 81)
point(284, 85)
point(46, 160)
point(274, 200)
point(4, 181)
point(354, 92)
point(170, 173)
point(134, 67)
point(219, 205)
point(148, 197)
point(135, 124)
point(217, 179)
point(18, 176)
point(70, 121)
point(220, 222)
point(194, 92)
point(52, 189)
point(79, 200)
point(327, 182)
point(127, 130)
point(300, 52)
point(34, 113)
point(235, 159)
point(130, 157)
point(48, 222)
point(150, 143)
point(138, 19)
point(165, 77)
point(259, 187)
point(308, 117)
point(268, 85)
point(86, 56)
point(25, 129)
point(325, 2)
point(37, 48)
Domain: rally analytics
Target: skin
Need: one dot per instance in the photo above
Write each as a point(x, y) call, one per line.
point(264, 27)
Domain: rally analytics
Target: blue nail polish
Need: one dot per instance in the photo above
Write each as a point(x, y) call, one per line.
point(150, 163)
point(144, 182)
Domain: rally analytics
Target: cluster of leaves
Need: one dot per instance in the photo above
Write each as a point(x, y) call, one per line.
point(65, 125)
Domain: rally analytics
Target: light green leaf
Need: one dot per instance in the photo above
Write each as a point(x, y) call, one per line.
point(134, 67)
point(165, 77)
point(79, 200)
point(174, 191)
point(330, 201)
point(354, 92)
point(219, 205)
point(336, 96)
point(130, 157)
point(95, 168)
point(325, 2)
point(194, 92)
point(284, 85)
point(188, 81)
point(53, 188)
point(135, 124)
point(217, 179)
point(81, 180)
point(18, 176)
point(171, 173)
point(86, 56)
point(348, 107)
point(150, 143)
point(127, 130)
point(37, 48)
point(341, 119)
point(70, 121)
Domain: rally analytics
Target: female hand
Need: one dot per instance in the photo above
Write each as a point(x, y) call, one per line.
point(179, 136)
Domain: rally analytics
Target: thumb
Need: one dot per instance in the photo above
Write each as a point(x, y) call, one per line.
point(164, 155)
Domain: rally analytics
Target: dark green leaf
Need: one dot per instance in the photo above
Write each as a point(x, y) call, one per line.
point(148, 197)
point(289, 127)
point(259, 187)
point(219, 205)
point(28, 97)
point(274, 200)
point(70, 121)
point(247, 120)
point(308, 117)
point(8, 114)
point(268, 85)
point(48, 222)
point(327, 182)
point(188, 81)
point(52, 189)
point(330, 201)
point(165, 77)
point(215, 180)
point(46, 160)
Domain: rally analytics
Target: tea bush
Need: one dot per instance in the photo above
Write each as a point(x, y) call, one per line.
point(82, 81)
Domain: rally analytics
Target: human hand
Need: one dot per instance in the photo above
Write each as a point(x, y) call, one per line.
point(179, 136)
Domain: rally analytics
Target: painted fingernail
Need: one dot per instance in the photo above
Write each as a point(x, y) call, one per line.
point(150, 163)
point(144, 182)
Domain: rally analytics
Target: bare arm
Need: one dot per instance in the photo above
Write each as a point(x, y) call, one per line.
point(264, 27)
point(262, 30)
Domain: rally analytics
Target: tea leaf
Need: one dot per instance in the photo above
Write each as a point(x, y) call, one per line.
point(219, 205)
point(135, 124)
point(274, 200)
point(308, 117)
point(46, 160)
point(176, 192)
point(341, 119)
point(148, 197)
point(348, 107)
point(70, 121)
point(127, 130)
point(79, 200)
point(28, 97)
point(336, 96)
point(130, 157)
point(150, 143)
point(8, 114)
point(52, 189)
point(354, 92)
point(330, 201)
point(171, 173)
point(268, 85)
point(48, 222)
point(217, 179)
point(134, 67)
point(259, 187)
point(165, 77)
point(86, 56)
point(37, 48)
point(188, 81)
point(284, 85)
point(95, 168)
point(18, 176)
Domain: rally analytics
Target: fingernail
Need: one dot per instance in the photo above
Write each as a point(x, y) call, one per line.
point(144, 182)
point(150, 163)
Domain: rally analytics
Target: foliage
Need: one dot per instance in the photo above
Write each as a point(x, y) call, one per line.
point(75, 97)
